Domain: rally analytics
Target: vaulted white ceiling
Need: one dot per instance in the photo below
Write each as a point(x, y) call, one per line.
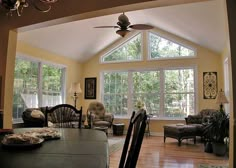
point(203, 23)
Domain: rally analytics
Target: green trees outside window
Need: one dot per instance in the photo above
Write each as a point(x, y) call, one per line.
point(52, 85)
point(25, 83)
point(165, 93)
point(162, 48)
point(179, 92)
point(115, 92)
point(36, 84)
point(129, 51)
point(146, 87)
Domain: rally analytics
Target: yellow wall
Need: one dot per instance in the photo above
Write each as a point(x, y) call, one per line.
point(73, 67)
point(35, 17)
point(8, 102)
point(227, 55)
point(73, 73)
point(205, 61)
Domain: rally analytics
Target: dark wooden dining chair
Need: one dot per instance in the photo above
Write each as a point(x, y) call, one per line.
point(136, 129)
point(63, 116)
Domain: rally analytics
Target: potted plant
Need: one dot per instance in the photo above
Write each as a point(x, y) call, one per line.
point(139, 104)
point(208, 143)
point(216, 131)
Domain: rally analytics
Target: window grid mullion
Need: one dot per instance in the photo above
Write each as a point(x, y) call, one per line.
point(63, 84)
point(179, 92)
point(40, 84)
point(162, 93)
point(115, 91)
point(130, 93)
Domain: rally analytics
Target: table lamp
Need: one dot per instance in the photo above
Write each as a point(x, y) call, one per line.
point(75, 90)
point(221, 99)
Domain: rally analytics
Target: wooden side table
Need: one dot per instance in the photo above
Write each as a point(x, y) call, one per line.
point(118, 129)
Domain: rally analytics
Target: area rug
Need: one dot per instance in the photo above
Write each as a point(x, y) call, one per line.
point(115, 144)
point(212, 166)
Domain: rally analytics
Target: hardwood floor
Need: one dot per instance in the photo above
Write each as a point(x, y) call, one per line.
point(157, 154)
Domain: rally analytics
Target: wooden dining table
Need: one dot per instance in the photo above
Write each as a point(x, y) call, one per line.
point(77, 148)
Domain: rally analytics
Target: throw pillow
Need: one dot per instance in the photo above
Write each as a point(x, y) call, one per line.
point(50, 124)
point(37, 114)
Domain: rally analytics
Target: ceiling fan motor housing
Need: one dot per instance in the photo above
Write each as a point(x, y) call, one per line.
point(123, 25)
point(123, 21)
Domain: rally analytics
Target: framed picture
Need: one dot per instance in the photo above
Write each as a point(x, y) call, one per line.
point(209, 85)
point(90, 88)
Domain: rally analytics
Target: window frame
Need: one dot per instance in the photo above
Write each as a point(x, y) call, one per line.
point(173, 41)
point(194, 67)
point(40, 63)
point(120, 45)
point(226, 70)
point(162, 91)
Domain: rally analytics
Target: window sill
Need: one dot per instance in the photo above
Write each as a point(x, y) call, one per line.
point(152, 118)
point(17, 121)
point(167, 119)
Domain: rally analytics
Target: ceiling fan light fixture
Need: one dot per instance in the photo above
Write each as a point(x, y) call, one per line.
point(122, 33)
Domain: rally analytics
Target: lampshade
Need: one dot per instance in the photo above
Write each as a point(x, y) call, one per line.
point(221, 98)
point(75, 88)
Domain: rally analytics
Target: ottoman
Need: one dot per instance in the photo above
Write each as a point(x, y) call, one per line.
point(180, 132)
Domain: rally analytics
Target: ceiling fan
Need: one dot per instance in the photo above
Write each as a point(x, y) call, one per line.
point(124, 24)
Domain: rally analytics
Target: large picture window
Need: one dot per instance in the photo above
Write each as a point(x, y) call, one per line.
point(115, 92)
point(179, 93)
point(146, 87)
point(36, 84)
point(166, 93)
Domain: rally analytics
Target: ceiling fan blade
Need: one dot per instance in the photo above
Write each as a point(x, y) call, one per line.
point(107, 27)
point(141, 27)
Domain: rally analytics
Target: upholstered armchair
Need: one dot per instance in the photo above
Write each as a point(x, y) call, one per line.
point(97, 116)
